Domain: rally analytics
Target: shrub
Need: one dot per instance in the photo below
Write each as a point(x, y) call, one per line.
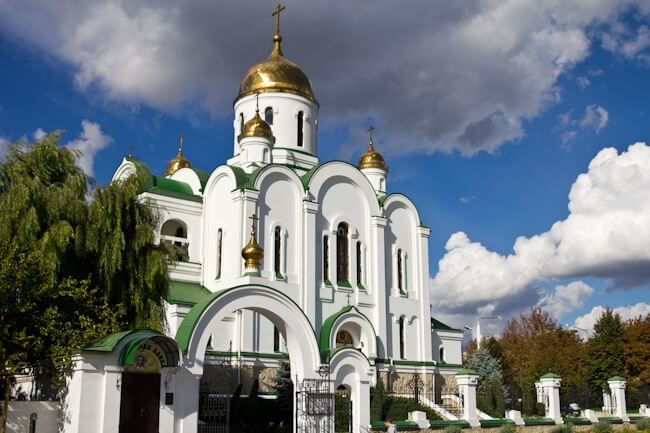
point(397, 408)
point(602, 427)
point(643, 424)
point(540, 409)
point(454, 429)
point(564, 428)
point(508, 428)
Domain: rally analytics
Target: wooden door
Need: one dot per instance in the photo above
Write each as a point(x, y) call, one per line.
point(140, 403)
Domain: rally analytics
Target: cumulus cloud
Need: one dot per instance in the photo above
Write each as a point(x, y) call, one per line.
point(39, 134)
point(90, 141)
point(565, 298)
point(587, 321)
point(606, 235)
point(594, 119)
point(436, 75)
point(627, 42)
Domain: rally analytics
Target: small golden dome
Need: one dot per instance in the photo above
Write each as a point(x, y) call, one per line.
point(178, 161)
point(252, 252)
point(256, 127)
point(372, 159)
point(276, 73)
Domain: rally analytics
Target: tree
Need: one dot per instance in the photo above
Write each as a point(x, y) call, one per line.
point(606, 349)
point(491, 393)
point(378, 398)
point(637, 350)
point(284, 387)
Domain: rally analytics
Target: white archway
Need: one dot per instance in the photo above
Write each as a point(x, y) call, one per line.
point(350, 368)
point(350, 319)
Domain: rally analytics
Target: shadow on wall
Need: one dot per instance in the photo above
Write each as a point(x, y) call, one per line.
point(33, 416)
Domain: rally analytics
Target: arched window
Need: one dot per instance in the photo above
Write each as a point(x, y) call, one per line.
point(359, 265)
point(276, 339)
point(241, 122)
point(268, 115)
point(344, 338)
point(400, 272)
point(342, 252)
point(219, 248)
point(174, 233)
point(401, 338)
point(442, 354)
point(301, 118)
point(277, 251)
point(326, 258)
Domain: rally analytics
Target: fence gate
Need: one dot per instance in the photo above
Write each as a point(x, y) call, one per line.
point(214, 399)
point(315, 406)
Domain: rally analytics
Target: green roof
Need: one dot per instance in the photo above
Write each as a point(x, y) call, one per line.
point(551, 376)
point(110, 342)
point(182, 292)
point(615, 379)
point(466, 372)
point(202, 175)
point(326, 330)
point(439, 326)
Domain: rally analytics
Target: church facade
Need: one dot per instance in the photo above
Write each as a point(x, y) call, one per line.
point(281, 257)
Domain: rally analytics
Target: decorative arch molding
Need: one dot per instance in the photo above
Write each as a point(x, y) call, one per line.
point(315, 179)
point(396, 200)
point(124, 171)
point(258, 176)
point(190, 177)
point(195, 330)
point(346, 363)
point(349, 315)
point(120, 348)
point(235, 175)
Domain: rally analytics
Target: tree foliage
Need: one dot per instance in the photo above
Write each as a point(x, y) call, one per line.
point(491, 392)
point(637, 350)
point(606, 349)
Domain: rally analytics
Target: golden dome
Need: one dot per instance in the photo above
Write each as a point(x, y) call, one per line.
point(256, 127)
point(372, 159)
point(252, 252)
point(276, 74)
point(178, 161)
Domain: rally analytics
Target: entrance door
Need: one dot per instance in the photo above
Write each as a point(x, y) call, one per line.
point(140, 404)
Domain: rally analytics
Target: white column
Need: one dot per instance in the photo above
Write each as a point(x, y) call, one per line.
point(617, 386)
point(467, 381)
point(422, 280)
point(551, 385)
point(607, 402)
point(112, 399)
point(310, 284)
point(377, 284)
point(186, 411)
point(539, 392)
point(83, 405)
point(361, 407)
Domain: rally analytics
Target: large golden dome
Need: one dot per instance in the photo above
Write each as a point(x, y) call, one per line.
point(276, 74)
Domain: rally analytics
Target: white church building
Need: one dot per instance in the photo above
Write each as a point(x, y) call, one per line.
point(282, 257)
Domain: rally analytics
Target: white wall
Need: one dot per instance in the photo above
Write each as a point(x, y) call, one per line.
point(47, 416)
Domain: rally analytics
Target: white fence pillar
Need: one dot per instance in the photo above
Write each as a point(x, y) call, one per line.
point(539, 392)
point(607, 402)
point(551, 384)
point(617, 387)
point(467, 381)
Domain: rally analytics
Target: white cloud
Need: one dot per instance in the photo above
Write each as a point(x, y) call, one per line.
point(628, 43)
point(39, 134)
point(588, 320)
point(565, 298)
point(437, 76)
point(583, 82)
point(4, 143)
point(606, 234)
point(90, 141)
point(595, 117)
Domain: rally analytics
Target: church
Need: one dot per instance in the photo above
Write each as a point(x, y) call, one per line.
point(282, 258)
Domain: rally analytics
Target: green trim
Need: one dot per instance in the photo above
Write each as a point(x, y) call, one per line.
point(108, 343)
point(361, 287)
point(538, 421)
point(295, 150)
point(182, 292)
point(437, 325)
point(496, 422)
point(406, 362)
point(417, 212)
point(307, 177)
point(202, 175)
point(328, 324)
point(610, 419)
point(550, 375)
point(616, 379)
point(130, 350)
point(256, 355)
point(327, 355)
point(576, 420)
point(327, 282)
point(344, 283)
point(445, 365)
point(241, 178)
point(252, 274)
point(188, 325)
point(466, 372)
point(158, 191)
point(279, 276)
point(440, 424)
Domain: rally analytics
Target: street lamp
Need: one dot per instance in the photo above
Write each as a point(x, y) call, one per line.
point(478, 328)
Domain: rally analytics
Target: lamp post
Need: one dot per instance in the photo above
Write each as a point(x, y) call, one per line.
point(478, 328)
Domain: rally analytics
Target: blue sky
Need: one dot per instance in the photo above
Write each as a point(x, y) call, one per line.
point(492, 189)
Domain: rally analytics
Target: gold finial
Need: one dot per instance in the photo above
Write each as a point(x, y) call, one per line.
point(371, 158)
point(256, 127)
point(277, 51)
point(252, 252)
point(179, 161)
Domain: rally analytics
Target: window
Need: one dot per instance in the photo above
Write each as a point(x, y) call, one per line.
point(241, 122)
point(277, 245)
point(301, 117)
point(219, 245)
point(400, 273)
point(276, 339)
point(359, 265)
point(174, 233)
point(343, 338)
point(401, 338)
point(268, 115)
point(326, 258)
point(342, 252)
point(442, 354)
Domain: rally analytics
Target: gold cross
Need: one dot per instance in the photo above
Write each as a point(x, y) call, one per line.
point(370, 129)
point(254, 220)
point(279, 8)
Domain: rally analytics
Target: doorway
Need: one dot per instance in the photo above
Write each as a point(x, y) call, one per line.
point(140, 403)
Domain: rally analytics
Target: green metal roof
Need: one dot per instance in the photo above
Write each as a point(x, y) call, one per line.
point(466, 372)
point(551, 376)
point(202, 175)
point(615, 379)
point(439, 326)
point(109, 343)
point(182, 292)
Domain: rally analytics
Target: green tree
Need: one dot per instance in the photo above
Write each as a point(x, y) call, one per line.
point(378, 398)
point(491, 392)
point(284, 387)
point(606, 349)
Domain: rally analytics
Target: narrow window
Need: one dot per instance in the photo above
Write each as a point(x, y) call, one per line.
point(359, 267)
point(268, 115)
point(326, 258)
point(401, 338)
point(301, 117)
point(277, 245)
point(342, 252)
point(219, 244)
point(241, 122)
point(276, 339)
point(442, 354)
point(400, 278)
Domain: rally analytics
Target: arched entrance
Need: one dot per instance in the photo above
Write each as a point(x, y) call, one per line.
point(196, 329)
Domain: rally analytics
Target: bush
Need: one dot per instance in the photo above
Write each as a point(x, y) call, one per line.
point(602, 427)
point(397, 408)
point(540, 409)
point(564, 428)
point(454, 429)
point(508, 428)
point(643, 424)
